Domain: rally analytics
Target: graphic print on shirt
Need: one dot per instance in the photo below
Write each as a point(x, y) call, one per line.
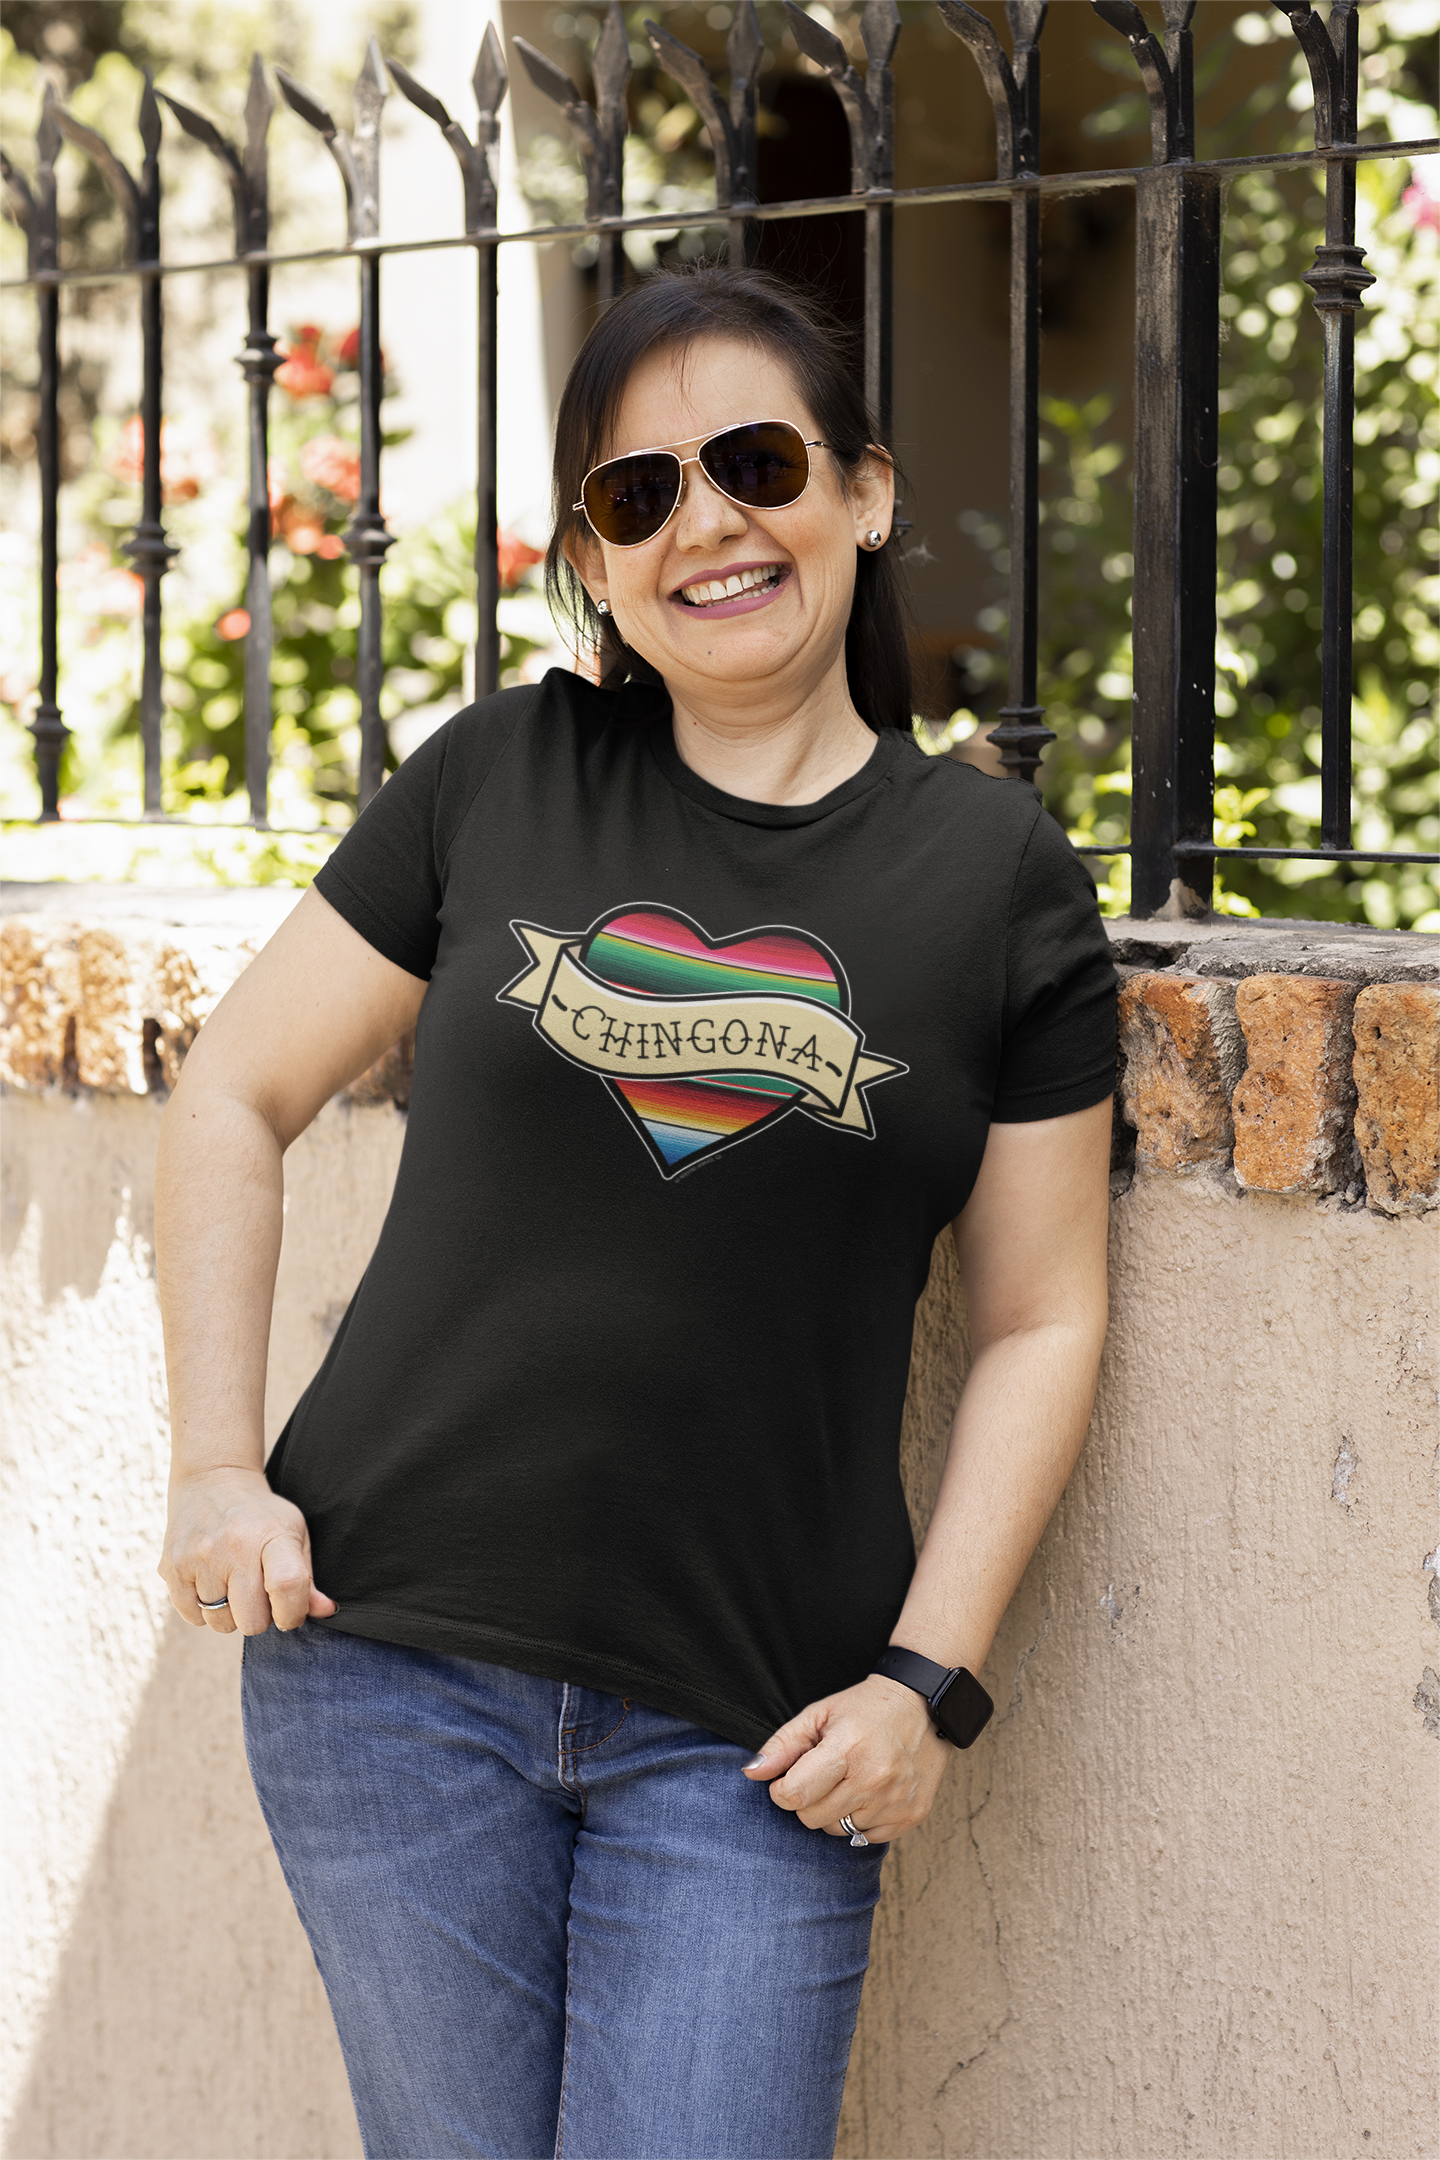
point(702, 1041)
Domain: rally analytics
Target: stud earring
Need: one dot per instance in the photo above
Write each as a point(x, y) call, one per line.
point(602, 607)
point(873, 539)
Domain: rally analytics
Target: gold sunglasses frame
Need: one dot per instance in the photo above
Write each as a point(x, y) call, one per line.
point(704, 442)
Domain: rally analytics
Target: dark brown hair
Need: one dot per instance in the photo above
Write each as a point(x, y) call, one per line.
point(678, 308)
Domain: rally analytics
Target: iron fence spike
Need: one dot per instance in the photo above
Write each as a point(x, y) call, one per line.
point(491, 78)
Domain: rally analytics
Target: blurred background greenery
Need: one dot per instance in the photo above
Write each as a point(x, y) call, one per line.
point(1268, 681)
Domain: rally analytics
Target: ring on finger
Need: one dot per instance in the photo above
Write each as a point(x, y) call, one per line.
point(212, 1604)
point(857, 1837)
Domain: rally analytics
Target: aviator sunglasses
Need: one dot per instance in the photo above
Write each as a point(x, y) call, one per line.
point(760, 465)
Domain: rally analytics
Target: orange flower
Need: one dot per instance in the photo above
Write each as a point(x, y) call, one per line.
point(331, 548)
point(302, 530)
point(304, 374)
point(332, 465)
point(186, 463)
point(514, 558)
point(234, 623)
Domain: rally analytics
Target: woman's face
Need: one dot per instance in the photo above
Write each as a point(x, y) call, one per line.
point(790, 624)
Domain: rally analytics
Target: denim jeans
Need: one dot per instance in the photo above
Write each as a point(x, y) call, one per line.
point(551, 1921)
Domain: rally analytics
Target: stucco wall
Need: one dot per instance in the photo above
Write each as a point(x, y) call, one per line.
point(1179, 1899)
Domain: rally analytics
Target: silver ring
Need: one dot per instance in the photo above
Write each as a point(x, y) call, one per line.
point(212, 1604)
point(857, 1837)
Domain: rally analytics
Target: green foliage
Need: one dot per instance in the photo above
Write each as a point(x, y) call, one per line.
point(1267, 752)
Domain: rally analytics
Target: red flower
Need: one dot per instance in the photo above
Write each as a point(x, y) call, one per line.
point(234, 623)
point(304, 373)
point(332, 465)
point(301, 530)
point(348, 351)
point(514, 558)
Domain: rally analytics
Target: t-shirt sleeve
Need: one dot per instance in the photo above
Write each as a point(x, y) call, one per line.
point(387, 877)
point(1058, 1041)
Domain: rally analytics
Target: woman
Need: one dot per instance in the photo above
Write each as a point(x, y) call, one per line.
point(728, 1000)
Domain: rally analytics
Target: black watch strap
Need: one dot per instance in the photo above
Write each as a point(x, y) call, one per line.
point(959, 1705)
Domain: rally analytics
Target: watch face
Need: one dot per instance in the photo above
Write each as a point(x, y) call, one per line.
point(962, 1709)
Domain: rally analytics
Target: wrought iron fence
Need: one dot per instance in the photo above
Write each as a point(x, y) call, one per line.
point(1177, 322)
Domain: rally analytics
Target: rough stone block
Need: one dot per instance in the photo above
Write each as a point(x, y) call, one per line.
point(40, 987)
point(115, 968)
point(1397, 1081)
point(1183, 1054)
point(113, 1006)
point(1295, 1104)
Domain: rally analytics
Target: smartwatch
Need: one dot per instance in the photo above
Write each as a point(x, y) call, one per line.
point(958, 1704)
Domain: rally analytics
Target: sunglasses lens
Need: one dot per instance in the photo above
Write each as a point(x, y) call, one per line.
point(764, 465)
point(629, 499)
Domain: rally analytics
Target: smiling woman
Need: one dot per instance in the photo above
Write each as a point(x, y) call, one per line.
point(719, 347)
point(591, 1669)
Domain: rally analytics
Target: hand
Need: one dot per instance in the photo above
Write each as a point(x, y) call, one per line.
point(230, 1536)
point(870, 1752)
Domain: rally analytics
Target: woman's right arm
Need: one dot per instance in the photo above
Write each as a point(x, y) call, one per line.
point(312, 1011)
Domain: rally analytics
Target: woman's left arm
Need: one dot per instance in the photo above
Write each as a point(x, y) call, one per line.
point(1031, 1244)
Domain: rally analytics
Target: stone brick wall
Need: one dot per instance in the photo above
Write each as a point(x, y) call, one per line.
point(1305, 1058)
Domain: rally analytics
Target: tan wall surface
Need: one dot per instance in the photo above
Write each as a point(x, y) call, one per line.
point(1179, 1900)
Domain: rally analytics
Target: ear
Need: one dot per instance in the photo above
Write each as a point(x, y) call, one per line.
point(586, 558)
point(872, 495)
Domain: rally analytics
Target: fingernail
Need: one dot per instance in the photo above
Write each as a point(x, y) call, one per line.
point(755, 1763)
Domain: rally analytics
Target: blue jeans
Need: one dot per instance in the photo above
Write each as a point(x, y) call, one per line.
point(552, 1922)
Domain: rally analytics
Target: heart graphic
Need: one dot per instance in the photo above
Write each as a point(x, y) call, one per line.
point(651, 951)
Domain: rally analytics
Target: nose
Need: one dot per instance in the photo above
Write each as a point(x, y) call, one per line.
point(705, 517)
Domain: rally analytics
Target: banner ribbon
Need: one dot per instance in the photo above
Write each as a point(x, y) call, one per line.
point(625, 1036)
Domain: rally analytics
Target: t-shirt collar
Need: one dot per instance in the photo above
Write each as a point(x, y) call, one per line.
point(652, 706)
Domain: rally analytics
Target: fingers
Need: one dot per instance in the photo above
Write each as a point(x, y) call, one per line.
point(238, 1557)
point(285, 1580)
point(786, 1747)
point(182, 1595)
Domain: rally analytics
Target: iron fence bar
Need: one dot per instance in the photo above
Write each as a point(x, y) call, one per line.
point(1013, 84)
point(869, 109)
point(601, 129)
point(663, 221)
point(38, 215)
point(1337, 280)
point(489, 80)
point(249, 186)
point(1177, 391)
point(367, 538)
point(733, 127)
point(148, 548)
point(1300, 854)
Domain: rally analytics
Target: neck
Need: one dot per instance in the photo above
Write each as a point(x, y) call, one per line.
point(757, 743)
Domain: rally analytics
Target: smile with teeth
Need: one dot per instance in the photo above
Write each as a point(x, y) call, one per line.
point(731, 588)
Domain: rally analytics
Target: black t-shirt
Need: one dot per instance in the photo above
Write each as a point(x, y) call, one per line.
point(697, 1083)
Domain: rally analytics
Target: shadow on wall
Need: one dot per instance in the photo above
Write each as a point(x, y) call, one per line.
point(188, 2021)
point(78, 1194)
